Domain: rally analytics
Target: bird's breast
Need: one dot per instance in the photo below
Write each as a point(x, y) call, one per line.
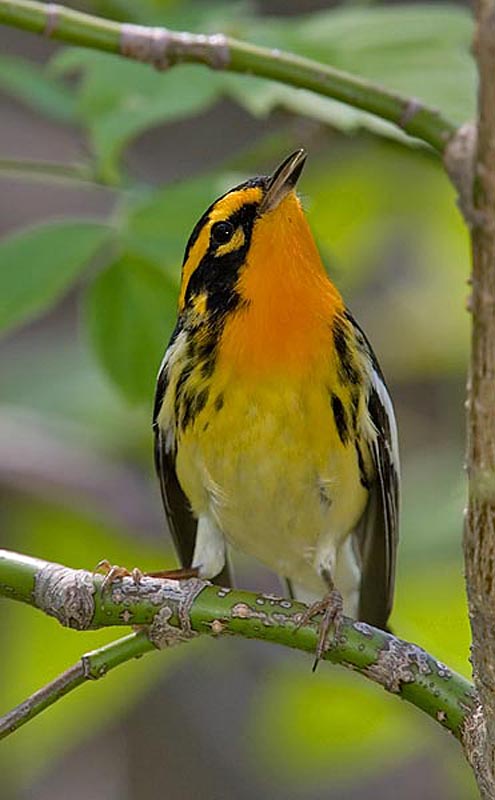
point(267, 461)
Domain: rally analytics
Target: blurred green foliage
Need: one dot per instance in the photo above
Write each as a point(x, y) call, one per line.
point(38, 266)
point(315, 732)
point(386, 222)
point(131, 295)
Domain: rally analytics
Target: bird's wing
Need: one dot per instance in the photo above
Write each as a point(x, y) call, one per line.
point(181, 521)
point(376, 537)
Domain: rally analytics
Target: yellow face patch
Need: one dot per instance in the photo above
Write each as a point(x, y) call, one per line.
point(235, 243)
point(221, 211)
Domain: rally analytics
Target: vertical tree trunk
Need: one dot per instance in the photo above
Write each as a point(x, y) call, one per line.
point(479, 538)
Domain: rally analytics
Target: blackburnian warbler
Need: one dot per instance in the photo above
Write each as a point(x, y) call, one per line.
point(274, 429)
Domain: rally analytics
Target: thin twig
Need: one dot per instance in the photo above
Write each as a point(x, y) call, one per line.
point(41, 699)
point(177, 611)
point(92, 666)
point(164, 48)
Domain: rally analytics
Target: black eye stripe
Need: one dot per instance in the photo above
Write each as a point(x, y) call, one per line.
point(253, 183)
point(222, 232)
point(217, 272)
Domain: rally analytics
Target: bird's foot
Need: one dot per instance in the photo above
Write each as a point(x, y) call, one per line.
point(113, 573)
point(331, 606)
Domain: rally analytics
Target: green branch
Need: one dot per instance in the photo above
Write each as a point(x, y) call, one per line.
point(164, 48)
point(177, 611)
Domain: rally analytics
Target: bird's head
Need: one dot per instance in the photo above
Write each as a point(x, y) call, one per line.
point(247, 239)
point(252, 265)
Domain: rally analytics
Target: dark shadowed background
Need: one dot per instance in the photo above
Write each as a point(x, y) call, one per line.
point(110, 164)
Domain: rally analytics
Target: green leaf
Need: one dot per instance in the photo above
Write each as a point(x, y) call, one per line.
point(421, 51)
point(131, 311)
point(30, 83)
point(39, 264)
point(120, 99)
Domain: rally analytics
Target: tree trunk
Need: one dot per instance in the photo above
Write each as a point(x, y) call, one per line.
point(479, 538)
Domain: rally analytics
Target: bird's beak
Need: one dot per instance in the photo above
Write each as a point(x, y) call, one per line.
point(283, 180)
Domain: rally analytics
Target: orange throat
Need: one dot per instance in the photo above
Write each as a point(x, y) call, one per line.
point(284, 322)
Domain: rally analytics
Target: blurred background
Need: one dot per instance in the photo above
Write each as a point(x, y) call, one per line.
point(105, 167)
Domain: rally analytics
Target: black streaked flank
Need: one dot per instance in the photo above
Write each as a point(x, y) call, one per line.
point(219, 402)
point(206, 353)
point(365, 345)
point(208, 367)
point(188, 403)
point(192, 404)
point(186, 409)
point(363, 475)
point(348, 372)
point(340, 418)
point(355, 398)
point(200, 402)
point(180, 387)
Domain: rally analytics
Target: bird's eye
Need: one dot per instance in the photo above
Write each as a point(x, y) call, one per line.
point(222, 232)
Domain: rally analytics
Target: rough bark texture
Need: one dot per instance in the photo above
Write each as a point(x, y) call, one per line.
point(479, 540)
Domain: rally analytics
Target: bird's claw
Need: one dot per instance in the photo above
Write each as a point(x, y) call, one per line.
point(331, 606)
point(113, 572)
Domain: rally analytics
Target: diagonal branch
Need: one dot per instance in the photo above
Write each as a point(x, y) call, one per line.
point(90, 666)
point(177, 611)
point(164, 48)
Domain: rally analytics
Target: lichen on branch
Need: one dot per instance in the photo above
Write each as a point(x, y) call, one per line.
point(176, 611)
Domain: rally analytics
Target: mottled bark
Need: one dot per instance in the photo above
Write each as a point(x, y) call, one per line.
point(175, 611)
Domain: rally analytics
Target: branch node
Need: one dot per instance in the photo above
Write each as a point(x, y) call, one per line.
point(459, 160)
point(66, 594)
point(212, 50)
point(163, 48)
point(52, 19)
point(142, 43)
point(410, 110)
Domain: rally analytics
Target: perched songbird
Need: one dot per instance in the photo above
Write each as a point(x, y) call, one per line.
point(274, 428)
